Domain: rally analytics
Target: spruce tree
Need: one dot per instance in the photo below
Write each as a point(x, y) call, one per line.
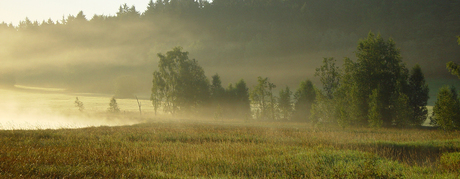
point(446, 111)
point(113, 106)
point(418, 96)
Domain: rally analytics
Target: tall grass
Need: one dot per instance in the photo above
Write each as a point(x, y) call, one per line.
point(236, 150)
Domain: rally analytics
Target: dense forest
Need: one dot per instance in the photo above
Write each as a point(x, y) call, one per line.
point(281, 39)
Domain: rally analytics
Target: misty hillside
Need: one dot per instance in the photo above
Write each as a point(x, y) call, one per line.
point(281, 39)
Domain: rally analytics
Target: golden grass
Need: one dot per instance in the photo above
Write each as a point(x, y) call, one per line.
point(232, 150)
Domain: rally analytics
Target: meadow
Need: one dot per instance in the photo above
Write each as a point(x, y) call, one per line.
point(131, 145)
point(229, 149)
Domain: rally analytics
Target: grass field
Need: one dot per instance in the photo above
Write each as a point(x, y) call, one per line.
point(66, 143)
point(229, 149)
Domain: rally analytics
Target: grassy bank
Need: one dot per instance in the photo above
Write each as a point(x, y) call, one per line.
point(236, 150)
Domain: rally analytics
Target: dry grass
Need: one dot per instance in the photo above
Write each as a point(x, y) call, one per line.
point(232, 150)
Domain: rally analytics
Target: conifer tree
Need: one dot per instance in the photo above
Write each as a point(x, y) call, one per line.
point(113, 106)
point(446, 111)
point(418, 96)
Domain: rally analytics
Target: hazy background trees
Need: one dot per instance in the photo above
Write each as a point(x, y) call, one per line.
point(82, 53)
point(282, 40)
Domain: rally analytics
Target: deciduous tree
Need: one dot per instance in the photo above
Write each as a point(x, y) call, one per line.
point(285, 103)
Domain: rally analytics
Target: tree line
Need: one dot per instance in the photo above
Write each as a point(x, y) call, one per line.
point(226, 32)
point(181, 87)
point(376, 90)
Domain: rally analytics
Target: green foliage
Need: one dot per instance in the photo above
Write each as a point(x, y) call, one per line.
point(158, 92)
point(284, 103)
point(418, 96)
point(404, 112)
point(304, 98)
point(453, 68)
point(263, 99)
point(446, 111)
point(379, 66)
point(322, 109)
point(236, 102)
point(113, 106)
point(180, 84)
point(217, 91)
point(375, 109)
point(346, 98)
point(376, 90)
point(79, 104)
point(243, 108)
point(329, 76)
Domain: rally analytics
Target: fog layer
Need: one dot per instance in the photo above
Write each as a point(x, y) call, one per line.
point(283, 40)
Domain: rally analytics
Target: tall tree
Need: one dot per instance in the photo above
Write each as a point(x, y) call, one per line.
point(304, 98)
point(324, 108)
point(258, 95)
point(158, 91)
point(418, 96)
point(284, 103)
point(263, 99)
point(272, 101)
point(329, 75)
point(217, 91)
point(181, 82)
point(242, 100)
point(379, 66)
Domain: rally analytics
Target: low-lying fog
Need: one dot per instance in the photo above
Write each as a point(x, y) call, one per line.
point(44, 108)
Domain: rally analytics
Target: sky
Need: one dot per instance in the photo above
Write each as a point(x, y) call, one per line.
point(13, 11)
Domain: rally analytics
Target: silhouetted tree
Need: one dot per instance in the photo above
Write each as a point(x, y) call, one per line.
point(113, 106)
point(217, 91)
point(242, 103)
point(180, 82)
point(304, 98)
point(418, 96)
point(79, 104)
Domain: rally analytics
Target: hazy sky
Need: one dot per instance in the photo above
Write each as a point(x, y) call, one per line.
point(13, 11)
